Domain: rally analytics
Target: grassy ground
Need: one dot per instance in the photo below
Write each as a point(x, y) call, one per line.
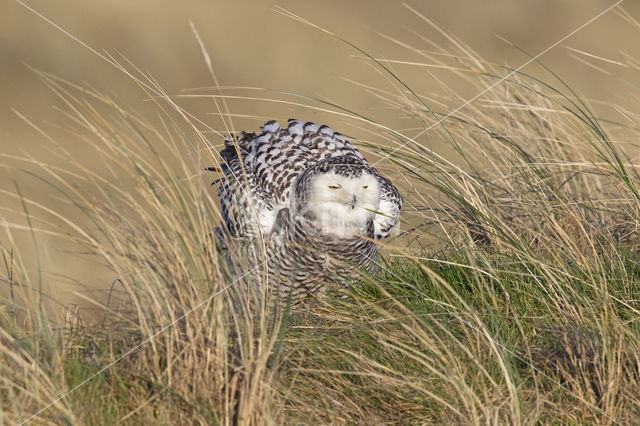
point(511, 295)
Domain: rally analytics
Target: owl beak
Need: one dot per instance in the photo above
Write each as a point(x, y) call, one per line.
point(353, 202)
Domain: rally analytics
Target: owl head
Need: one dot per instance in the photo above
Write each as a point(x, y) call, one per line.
point(337, 196)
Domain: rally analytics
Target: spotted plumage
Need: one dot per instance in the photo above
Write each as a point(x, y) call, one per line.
point(313, 198)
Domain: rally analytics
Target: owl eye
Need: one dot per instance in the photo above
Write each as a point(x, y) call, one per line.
point(365, 186)
point(334, 186)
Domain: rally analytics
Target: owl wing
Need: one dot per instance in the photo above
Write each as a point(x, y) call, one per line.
point(247, 209)
point(281, 155)
point(388, 213)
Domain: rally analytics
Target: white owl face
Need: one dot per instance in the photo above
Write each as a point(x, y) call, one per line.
point(343, 205)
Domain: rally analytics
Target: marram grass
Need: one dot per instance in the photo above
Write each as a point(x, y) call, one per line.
point(511, 295)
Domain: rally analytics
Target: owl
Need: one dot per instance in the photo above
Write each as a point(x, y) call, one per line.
point(313, 201)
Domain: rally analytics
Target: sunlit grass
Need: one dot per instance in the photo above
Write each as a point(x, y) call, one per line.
point(511, 294)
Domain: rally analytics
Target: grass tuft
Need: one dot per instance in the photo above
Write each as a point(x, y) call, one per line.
point(510, 296)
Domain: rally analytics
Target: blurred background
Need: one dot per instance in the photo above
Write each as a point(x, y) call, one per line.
point(252, 44)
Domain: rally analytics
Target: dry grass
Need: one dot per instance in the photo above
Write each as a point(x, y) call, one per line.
point(511, 296)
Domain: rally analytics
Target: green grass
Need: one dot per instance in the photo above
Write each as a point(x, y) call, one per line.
point(405, 349)
point(511, 295)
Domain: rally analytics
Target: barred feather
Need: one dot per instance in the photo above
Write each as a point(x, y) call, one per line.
point(261, 171)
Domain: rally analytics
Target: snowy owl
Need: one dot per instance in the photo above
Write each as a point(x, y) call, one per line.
point(314, 200)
